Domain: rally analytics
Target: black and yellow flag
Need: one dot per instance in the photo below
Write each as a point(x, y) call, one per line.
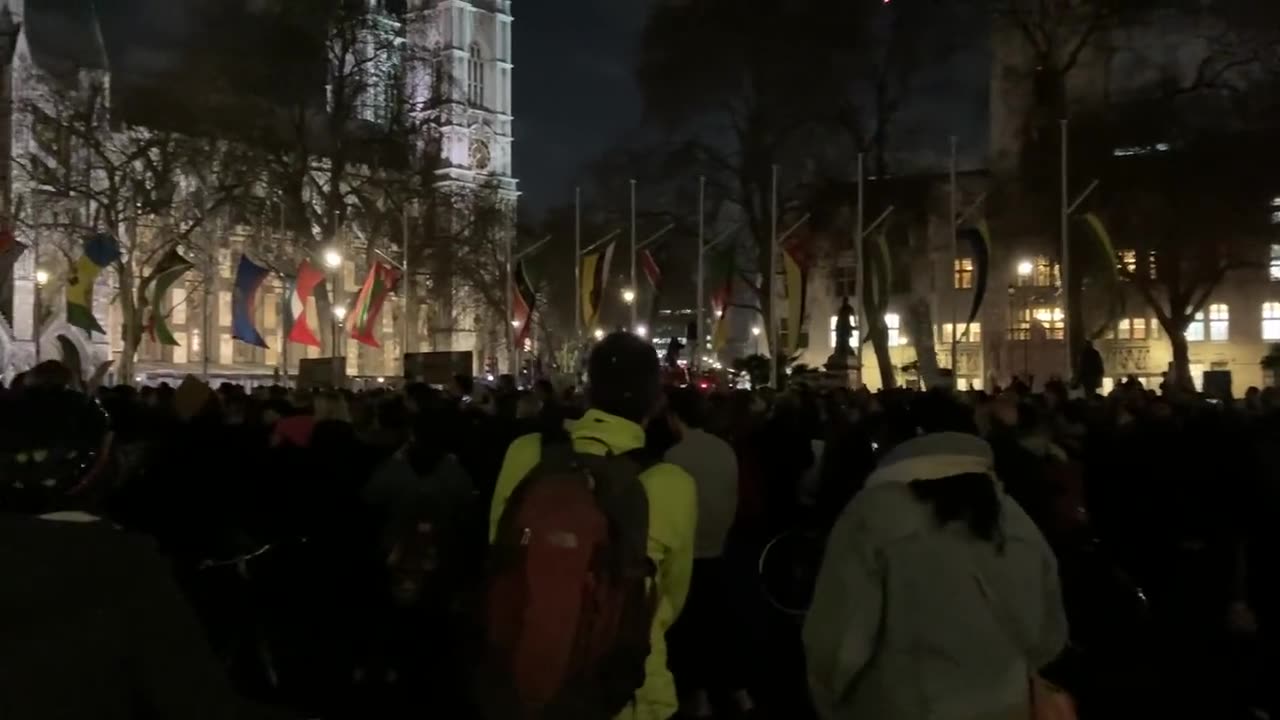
point(595, 279)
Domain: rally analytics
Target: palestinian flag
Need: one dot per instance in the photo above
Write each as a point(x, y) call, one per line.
point(380, 283)
point(650, 268)
point(303, 287)
point(523, 303)
point(168, 271)
point(595, 279)
point(979, 237)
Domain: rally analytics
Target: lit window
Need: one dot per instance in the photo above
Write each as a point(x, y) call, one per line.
point(964, 273)
point(956, 333)
point(1154, 326)
point(1127, 261)
point(1195, 331)
point(1151, 264)
point(475, 77)
point(1219, 322)
point(1020, 329)
point(893, 321)
point(853, 334)
point(1275, 217)
point(1045, 272)
point(1271, 321)
point(1052, 319)
point(1131, 329)
point(1275, 262)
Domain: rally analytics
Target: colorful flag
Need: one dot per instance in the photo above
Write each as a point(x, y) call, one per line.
point(249, 278)
point(1104, 241)
point(378, 285)
point(980, 238)
point(303, 287)
point(523, 303)
point(10, 251)
point(595, 279)
point(650, 267)
point(720, 306)
point(99, 251)
point(170, 268)
point(795, 263)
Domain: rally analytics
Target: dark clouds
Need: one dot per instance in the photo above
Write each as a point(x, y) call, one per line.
point(574, 92)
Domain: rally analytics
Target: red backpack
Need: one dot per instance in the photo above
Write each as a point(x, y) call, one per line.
point(571, 591)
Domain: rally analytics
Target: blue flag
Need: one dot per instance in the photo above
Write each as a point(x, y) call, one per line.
point(249, 277)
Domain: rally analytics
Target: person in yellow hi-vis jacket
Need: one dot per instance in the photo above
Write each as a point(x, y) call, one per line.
point(624, 392)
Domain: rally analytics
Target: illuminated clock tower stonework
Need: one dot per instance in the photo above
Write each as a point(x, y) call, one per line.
point(459, 69)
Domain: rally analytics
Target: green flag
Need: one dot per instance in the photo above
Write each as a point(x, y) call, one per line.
point(170, 268)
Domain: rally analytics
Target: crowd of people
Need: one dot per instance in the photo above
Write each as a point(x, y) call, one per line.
point(194, 552)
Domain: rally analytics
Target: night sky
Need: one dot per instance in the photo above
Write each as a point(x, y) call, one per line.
point(575, 95)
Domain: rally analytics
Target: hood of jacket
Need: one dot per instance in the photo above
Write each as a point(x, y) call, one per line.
point(934, 456)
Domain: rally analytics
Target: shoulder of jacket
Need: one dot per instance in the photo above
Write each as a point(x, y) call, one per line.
point(886, 512)
point(668, 480)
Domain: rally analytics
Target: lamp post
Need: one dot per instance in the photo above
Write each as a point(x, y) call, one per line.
point(339, 314)
point(333, 261)
point(629, 297)
point(755, 332)
point(42, 279)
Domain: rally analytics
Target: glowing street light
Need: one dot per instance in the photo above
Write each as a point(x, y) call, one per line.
point(756, 331)
point(42, 278)
point(339, 313)
point(1024, 269)
point(642, 331)
point(719, 313)
point(628, 296)
point(332, 259)
point(515, 323)
point(599, 334)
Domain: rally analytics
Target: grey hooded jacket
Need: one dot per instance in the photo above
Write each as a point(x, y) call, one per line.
point(912, 621)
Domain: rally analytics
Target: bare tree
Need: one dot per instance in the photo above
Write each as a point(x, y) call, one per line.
point(149, 189)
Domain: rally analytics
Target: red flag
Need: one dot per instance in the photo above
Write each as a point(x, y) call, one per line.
point(650, 267)
point(523, 303)
point(303, 287)
point(378, 285)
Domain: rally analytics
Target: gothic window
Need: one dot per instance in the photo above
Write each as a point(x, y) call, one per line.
point(475, 77)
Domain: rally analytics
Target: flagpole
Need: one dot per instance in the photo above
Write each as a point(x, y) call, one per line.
point(514, 355)
point(1064, 229)
point(286, 315)
point(209, 278)
point(577, 265)
point(774, 339)
point(699, 345)
point(634, 290)
point(861, 308)
point(406, 292)
point(955, 255)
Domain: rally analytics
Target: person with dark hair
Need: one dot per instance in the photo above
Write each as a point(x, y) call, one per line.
point(624, 394)
point(937, 597)
point(94, 626)
point(706, 656)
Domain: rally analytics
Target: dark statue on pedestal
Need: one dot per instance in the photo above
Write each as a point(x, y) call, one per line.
point(843, 361)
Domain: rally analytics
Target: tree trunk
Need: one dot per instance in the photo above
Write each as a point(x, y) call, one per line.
point(1181, 376)
point(131, 327)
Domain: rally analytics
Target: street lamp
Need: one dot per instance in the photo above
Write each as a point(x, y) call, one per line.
point(642, 331)
point(755, 332)
point(628, 296)
point(339, 313)
point(42, 279)
point(599, 334)
point(332, 258)
point(1024, 269)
